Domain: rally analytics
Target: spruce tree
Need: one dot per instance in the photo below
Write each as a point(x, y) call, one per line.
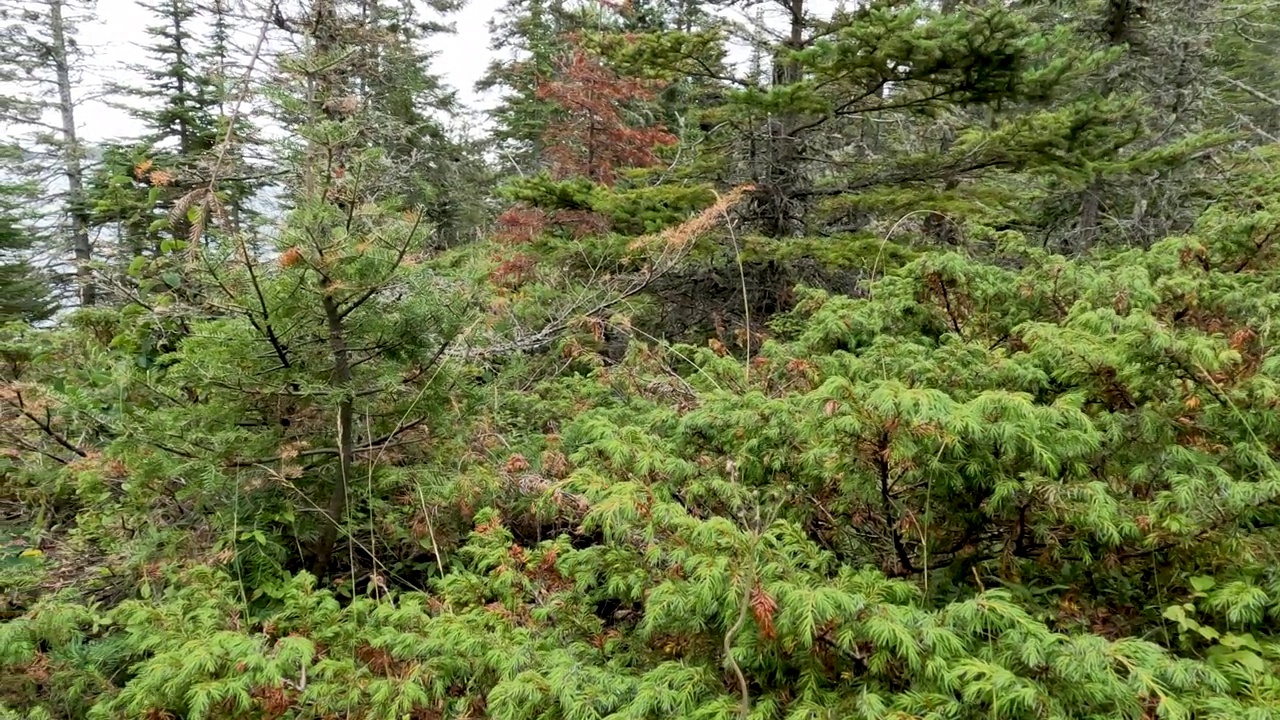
point(42, 66)
point(178, 99)
point(341, 320)
point(1163, 56)
point(24, 292)
point(141, 184)
point(529, 37)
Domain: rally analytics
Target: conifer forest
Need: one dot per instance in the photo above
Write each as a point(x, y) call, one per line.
point(735, 360)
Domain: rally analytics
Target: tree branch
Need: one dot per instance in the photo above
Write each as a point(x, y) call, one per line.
point(886, 502)
point(46, 427)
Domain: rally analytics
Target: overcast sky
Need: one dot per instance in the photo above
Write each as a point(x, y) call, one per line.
point(118, 32)
point(119, 28)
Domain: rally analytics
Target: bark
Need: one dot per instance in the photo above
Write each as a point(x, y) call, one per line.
point(890, 517)
point(72, 153)
point(1090, 222)
point(1119, 17)
point(784, 170)
point(341, 380)
point(321, 88)
point(186, 135)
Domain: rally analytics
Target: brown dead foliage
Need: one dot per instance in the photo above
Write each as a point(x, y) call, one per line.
point(763, 608)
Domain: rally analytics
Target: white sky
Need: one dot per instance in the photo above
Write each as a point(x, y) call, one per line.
point(119, 28)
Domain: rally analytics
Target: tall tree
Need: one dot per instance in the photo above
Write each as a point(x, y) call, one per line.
point(528, 38)
point(178, 99)
point(60, 50)
point(1163, 62)
point(42, 60)
point(388, 76)
point(142, 191)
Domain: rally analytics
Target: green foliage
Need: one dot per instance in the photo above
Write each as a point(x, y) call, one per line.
point(798, 414)
point(25, 295)
point(1020, 488)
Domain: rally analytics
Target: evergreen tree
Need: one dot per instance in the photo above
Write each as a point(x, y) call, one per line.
point(141, 186)
point(536, 40)
point(1241, 62)
point(41, 64)
point(24, 293)
point(390, 78)
point(529, 37)
point(1163, 54)
point(178, 100)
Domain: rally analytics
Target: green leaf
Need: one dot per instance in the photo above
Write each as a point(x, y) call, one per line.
point(1203, 583)
point(1245, 640)
point(1208, 633)
point(1249, 660)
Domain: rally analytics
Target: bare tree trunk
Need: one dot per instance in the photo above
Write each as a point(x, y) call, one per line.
point(341, 380)
point(72, 153)
point(1119, 15)
point(784, 170)
point(1090, 222)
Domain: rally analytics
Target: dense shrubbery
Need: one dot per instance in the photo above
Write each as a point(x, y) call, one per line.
point(763, 398)
point(1024, 488)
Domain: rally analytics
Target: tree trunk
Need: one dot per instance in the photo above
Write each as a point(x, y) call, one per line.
point(1119, 16)
point(1089, 226)
point(73, 168)
point(186, 134)
point(341, 382)
point(784, 170)
point(323, 87)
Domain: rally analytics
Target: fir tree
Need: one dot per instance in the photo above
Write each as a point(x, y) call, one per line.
point(41, 64)
point(181, 107)
point(530, 37)
point(176, 105)
point(24, 293)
